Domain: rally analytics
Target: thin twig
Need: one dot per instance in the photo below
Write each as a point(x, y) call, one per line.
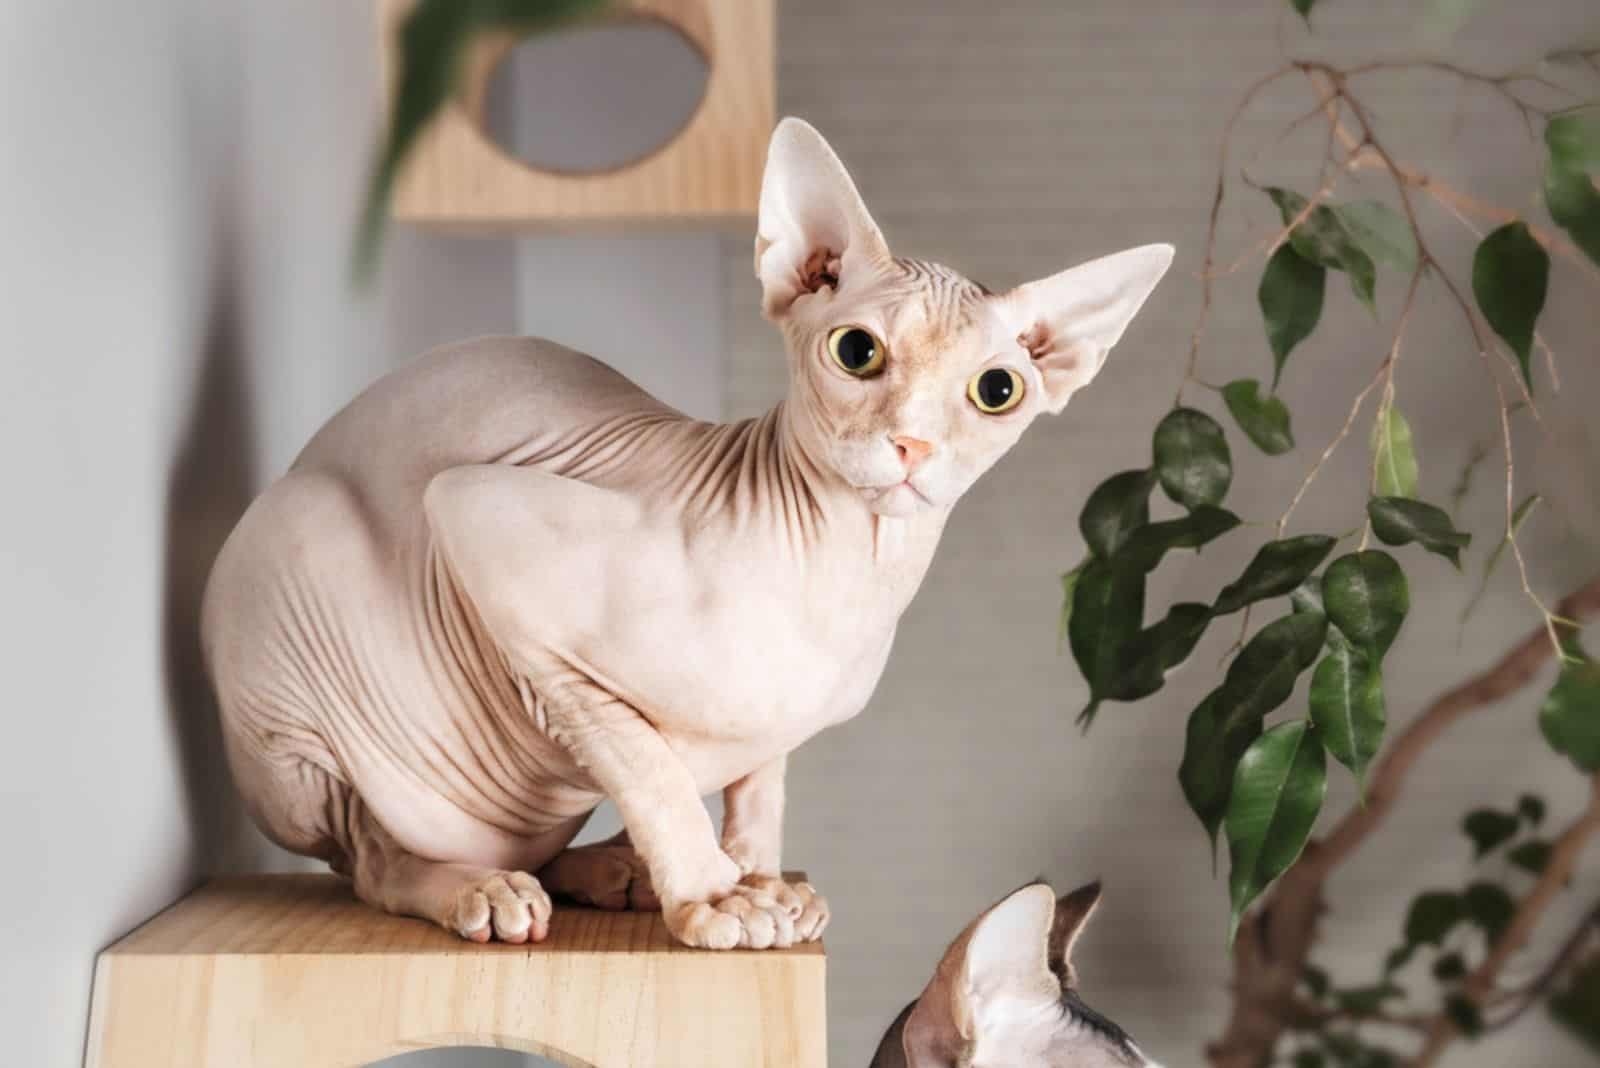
point(1533, 991)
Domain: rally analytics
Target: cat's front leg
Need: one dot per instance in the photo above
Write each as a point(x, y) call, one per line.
point(752, 836)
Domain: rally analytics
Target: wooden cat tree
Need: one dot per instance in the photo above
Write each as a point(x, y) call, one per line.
point(292, 970)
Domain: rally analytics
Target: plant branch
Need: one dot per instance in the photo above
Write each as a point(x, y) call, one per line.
point(1566, 957)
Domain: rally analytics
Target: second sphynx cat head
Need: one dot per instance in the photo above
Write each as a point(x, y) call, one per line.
point(1006, 996)
point(908, 380)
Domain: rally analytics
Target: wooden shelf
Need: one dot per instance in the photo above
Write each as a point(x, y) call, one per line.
point(293, 970)
point(708, 173)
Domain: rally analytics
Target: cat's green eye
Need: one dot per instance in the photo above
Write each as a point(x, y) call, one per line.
point(999, 389)
point(856, 351)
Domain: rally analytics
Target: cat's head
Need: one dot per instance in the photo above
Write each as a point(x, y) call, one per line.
point(906, 379)
point(1006, 996)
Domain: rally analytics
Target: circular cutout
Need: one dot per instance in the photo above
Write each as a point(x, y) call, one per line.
point(594, 98)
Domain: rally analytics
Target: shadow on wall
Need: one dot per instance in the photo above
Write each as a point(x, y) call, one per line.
point(211, 484)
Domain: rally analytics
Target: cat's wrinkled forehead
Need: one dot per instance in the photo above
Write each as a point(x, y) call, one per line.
point(931, 305)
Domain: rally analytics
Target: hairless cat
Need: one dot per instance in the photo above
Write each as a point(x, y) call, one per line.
point(1006, 996)
point(504, 583)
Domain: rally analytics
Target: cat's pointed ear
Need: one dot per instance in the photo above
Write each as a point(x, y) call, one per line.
point(812, 228)
point(1072, 913)
point(1002, 953)
point(1069, 321)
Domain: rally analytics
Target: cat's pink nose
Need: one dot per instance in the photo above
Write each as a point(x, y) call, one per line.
point(912, 451)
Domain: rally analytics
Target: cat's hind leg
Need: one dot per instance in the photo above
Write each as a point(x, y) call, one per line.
point(607, 875)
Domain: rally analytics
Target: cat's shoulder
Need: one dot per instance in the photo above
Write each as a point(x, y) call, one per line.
point(500, 361)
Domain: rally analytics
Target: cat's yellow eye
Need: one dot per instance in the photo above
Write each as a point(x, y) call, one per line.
point(999, 389)
point(856, 351)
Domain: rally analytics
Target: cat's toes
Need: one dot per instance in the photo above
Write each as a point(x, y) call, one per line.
point(508, 906)
point(807, 908)
point(751, 917)
point(604, 876)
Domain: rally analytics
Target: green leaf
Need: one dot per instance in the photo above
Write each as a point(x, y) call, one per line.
point(1212, 747)
point(1192, 458)
point(1367, 1000)
point(1449, 968)
point(1308, 1058)
point(1347, 707)
point(1107, 613)
point(1490, 907)
point(1570, 715)
point(1574, 204)
point(1432, 916)
point(1381, 232)
point(1278, 789)
point(1531, 856)
point(1489, 829)
point(1290, 296)
point(433, 44)
point(1316, 980)
point(1116, 508)
point(1322, 239)
point(1402, 520)
point(1573, 138)
point(1393, 456)
point(1531, 808)
point(1277, 568)
point(1398, 957)
point(1069, 585)
point(1366, 598)
point(1307, 597)
point(1156, 650)
point(1577, 1008)
point(1510, 272)
point(1303, 8)
point(1146, 545)
point(1263, 418)
point(1464, 1013)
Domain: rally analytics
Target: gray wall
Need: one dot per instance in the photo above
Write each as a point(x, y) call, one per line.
point(1011, 140)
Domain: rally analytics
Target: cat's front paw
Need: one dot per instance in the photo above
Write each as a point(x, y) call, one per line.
point(761, 912)
point(508, 906)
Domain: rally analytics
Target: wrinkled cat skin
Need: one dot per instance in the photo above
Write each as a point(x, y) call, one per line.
point(504, 584)
point(1005, 995)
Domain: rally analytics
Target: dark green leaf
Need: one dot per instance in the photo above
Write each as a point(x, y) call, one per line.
point(1463, 1012)
point(1107, 613)
point(1349, 1050)
point(1402, 520)
point(1393, 456)
point(1577, 1008)
point(1574, 204)
point(1278, 789)
point(1531, 856)
point(1307, 597)
point(1489, 829)
point(1398, 957)
point(1366, 1000)
point(1381, 232)
point(1146, 545)
point(1290, 296)
point(1449, 968)
point(1347, 707)
point(1531, 808)
point(1573, 138)
point(1157, 650)
point(1366, 598)
point(1117, 507)
point(1432, 916)
point(1322, 239)
point(1316, 980)
point(1303, 8)
point(1490, 907)
point(1069, 585)
point(1510, 272)
point(1275, 571)
point(1308, 1058)
point(1570, 715)
point(1192, 458)
point(1263, 418)
point(1211, 749)
point(433, 44)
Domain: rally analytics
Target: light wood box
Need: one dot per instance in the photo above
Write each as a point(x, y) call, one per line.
point(291, 970)
point(709, 173)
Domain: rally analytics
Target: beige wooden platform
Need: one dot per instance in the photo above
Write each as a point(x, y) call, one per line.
point(291, 970)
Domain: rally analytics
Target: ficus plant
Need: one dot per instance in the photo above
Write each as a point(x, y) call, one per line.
point(1256, 760)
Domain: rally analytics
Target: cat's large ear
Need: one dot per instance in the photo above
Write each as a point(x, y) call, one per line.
point(1069, 321)
point(1003, 953)
point(813, 228)
point(1072, 913)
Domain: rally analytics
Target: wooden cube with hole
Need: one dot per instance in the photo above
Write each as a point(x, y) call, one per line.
point(708, 173)
point(293, 970)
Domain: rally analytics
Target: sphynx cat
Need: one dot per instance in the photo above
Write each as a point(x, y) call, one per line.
point(1005, 995)
point(504, 583)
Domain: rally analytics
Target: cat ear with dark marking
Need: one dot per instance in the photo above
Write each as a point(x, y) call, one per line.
point(813, 227)
point(1069, 321)
point(1072, 914)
